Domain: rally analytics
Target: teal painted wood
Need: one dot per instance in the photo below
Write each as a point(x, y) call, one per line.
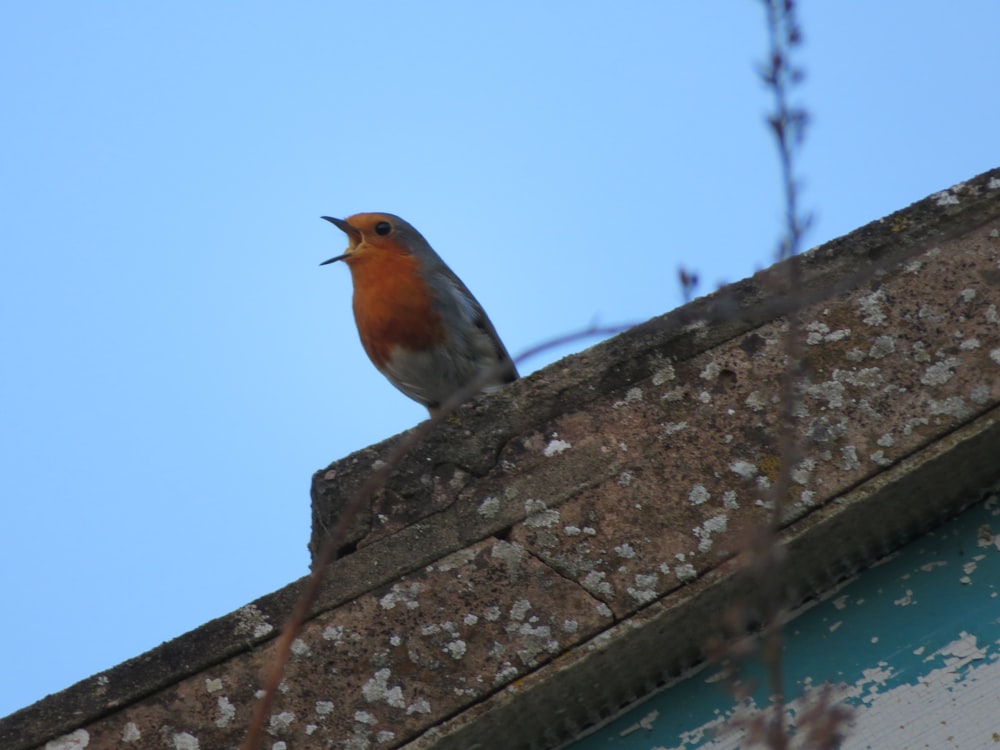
point(912, 645)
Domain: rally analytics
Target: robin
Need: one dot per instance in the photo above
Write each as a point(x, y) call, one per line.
point(419, 324)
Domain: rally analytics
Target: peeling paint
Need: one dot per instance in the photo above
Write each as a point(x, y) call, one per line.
point(918, 663)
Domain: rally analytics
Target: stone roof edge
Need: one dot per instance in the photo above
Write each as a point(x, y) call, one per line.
point(598, 679)
point(734, 309)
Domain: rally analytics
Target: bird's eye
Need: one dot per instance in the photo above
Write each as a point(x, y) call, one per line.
point(383, 228)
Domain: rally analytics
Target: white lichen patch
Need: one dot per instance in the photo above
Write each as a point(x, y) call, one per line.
point(181, 741)
point(280, 722)
point(625, 550)
point(250, 620)
point(879, 457)
point(72, 741)
point(945, 198)
point(555, 446)
point(703, 533)
point(130, 732)
point(802, 473)
point(378, 690)
point(815, 332)
point(911, 424)
point(505, 674)
point(594, 583)
point(950, 407)
point(685, 572)
point(213, 685)
point(818, 333)
point(883, 346)
point(919, 352)
point(664, 375)
point(227, 711)
point(510, 555)
point(401, 594)
point(300, 647)
point(729, 501)
point(674, 394)
point(698, 495)
point(534, 640)
point(992, 316)
point(995, 356)
point(337, 633)
point(672, 428)
point(632, 396)
point(539, 516)
point(324, 708)
point(871, 308)
point(419, 706)
point(867, 377)
point(519, 610)
point(940, 372)
point(849, 456)
point(710, 372)
point(755, 401)
point(970, 344)
point(455, 560)
point(455, 649)
point(489, 507)
point(644, 590)
point(930, 314)
point(830, 391)
point(744, 469)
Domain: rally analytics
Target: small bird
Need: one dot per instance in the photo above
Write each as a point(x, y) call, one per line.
point(419, 324)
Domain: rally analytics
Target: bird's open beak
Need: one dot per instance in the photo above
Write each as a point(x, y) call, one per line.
point(353, 236)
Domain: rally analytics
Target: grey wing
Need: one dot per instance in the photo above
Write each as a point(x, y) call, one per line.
point(480, 343)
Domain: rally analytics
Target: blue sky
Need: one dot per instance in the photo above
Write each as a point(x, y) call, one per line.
point(175, 362)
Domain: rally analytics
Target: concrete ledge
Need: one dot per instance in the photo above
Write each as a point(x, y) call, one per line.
point(556, 550)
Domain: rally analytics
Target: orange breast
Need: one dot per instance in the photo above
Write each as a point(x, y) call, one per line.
point(391, 305)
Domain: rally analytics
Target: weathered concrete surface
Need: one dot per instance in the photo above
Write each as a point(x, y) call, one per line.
point(554, 551)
